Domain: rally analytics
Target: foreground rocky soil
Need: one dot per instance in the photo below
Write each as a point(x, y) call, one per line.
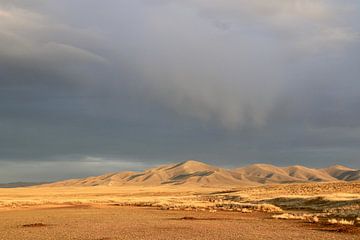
point(110, 223)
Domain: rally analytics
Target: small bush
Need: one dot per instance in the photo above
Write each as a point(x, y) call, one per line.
point(341, 221)
point(308, 217)
point(267, 208)
point(245, 210)
point(289, 216)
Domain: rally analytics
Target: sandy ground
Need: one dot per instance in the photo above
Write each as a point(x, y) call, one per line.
point(105, 213)
point(106, 223)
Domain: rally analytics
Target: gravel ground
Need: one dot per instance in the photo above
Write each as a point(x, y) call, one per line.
point(133, 223)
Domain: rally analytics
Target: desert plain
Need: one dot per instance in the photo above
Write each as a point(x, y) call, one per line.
point(189, 200)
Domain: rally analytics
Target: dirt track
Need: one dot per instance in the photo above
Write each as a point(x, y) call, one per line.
point(80, 223)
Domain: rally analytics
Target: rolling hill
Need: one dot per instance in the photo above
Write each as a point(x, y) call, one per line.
point(343, 173)
point(195, 173)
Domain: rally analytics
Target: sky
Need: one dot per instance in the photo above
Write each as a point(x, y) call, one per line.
point(88, 87)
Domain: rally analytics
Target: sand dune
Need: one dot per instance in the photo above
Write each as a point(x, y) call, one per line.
point(197, 173)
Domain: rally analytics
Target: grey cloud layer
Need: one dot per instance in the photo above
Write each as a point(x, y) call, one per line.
point(152, 81)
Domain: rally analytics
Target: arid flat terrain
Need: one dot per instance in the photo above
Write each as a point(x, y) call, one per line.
point(181, 213)
point(88, 223)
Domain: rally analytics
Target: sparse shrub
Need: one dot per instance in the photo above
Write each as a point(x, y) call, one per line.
point(267, 208)
point(289, 216)
point(308, 217)
point(313, 219)
point(34, 225)
point(341, 221)
point(245, 210)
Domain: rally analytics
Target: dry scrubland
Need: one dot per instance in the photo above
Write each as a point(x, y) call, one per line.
point(329, 209)
point(121, 223)
point(189, 200)
point(336, 199)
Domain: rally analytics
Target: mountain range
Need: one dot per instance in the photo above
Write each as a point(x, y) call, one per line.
point(195, 173)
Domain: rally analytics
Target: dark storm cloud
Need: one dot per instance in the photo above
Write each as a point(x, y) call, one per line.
point(128, 84)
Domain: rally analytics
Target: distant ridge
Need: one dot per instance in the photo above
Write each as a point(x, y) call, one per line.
point(20, 184)
point(196, 173)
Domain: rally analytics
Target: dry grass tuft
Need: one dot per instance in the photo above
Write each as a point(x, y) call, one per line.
point(267, 208)
point(290, 216)
point(34, 225)
point(341, 221)
point(245, 210)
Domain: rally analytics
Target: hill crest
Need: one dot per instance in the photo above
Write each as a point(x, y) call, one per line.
point(196, 173)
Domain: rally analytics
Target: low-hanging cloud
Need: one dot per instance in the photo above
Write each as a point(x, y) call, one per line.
point(225, 74)
point(162, 80)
